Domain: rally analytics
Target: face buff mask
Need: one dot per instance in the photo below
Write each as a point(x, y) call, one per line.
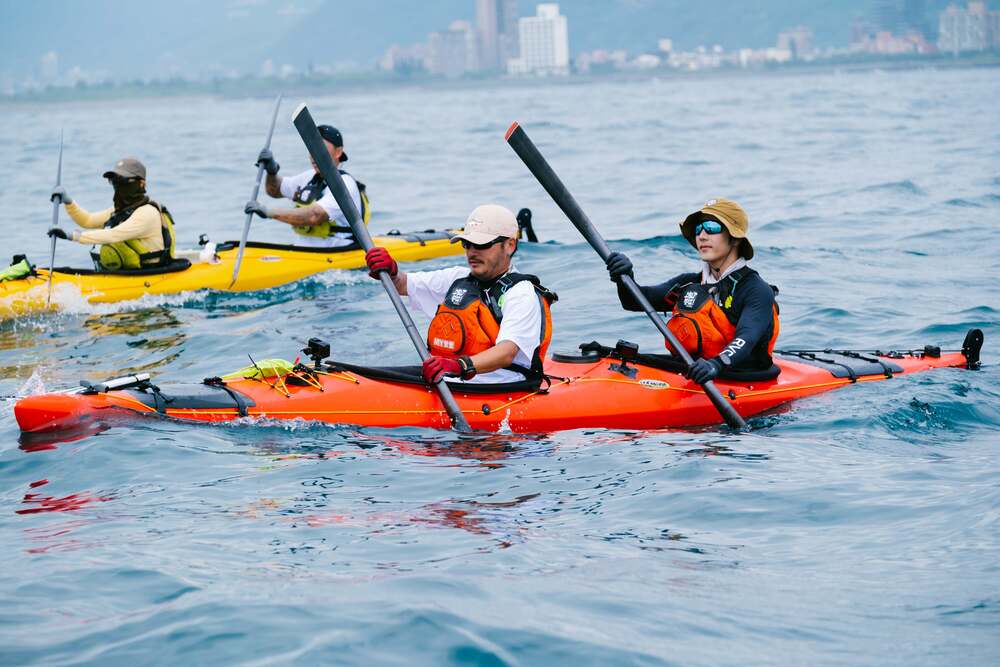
point(129, 193)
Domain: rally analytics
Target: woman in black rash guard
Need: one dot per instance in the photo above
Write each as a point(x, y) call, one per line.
point(725, 315)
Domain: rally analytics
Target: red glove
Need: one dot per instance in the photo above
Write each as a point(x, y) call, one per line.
point(437, 367)
point(379, 259)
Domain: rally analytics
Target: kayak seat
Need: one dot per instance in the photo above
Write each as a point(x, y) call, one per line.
point(594, 351)
point(174, 266)
point(412, 375)
point(751, 374)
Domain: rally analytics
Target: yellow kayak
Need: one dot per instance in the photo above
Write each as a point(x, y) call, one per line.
point(264, 265)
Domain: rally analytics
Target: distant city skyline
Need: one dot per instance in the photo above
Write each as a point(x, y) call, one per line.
point(470, 37)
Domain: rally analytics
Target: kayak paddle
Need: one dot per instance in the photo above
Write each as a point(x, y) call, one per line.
point(539, 167)
point(253, 197)
point(55, 221)
point(303, 122)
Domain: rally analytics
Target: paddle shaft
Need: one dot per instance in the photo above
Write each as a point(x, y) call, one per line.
point(539, 167)
point(55, 223)
point(253, 196)
point(306, 127)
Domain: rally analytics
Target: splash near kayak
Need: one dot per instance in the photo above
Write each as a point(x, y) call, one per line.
point(265, 265)
point(600, 387)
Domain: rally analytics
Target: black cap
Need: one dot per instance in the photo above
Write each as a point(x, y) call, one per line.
point(333, 135)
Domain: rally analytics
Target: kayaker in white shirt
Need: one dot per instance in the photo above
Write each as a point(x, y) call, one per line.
point(316, 219)
point(489, 324)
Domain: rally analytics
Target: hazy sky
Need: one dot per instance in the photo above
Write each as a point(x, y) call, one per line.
point(125, 38)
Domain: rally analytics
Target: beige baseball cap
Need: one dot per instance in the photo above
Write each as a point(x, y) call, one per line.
point(127, 167)
point(488, 222)
point(730, 214)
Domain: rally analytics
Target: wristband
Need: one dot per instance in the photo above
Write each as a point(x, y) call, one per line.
point(468, 368)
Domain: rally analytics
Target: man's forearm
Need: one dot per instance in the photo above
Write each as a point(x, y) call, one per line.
point(299, 217)
point(399, 280)
point(272, 185)
point(499, 356)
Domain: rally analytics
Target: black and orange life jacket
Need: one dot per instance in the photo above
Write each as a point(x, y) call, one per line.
point(703, 326)
point(468, 321)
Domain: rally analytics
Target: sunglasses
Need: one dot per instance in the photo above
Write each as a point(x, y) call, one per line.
point(708, 226)
point(483, 246)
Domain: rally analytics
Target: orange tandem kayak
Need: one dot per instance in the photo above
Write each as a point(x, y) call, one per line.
point(601, 387)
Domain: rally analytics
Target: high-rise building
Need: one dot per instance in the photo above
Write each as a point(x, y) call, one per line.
point(970, 29)
point(496, 29)
point(798, 41)
point(544, 43)
point(453, 53)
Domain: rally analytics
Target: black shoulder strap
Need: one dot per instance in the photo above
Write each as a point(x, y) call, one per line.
point(543, 291)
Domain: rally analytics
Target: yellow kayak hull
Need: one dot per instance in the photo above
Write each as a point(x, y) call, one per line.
point(264, 265)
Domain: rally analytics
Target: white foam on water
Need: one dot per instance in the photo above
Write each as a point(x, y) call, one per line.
point(341, 277)
point(74, 303)
point(70, 301)
point(34, 385)
point(290, 425)
point(504, 426)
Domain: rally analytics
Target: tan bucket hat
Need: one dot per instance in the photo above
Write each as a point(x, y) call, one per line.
point(127, 167)
point(730, 214)
point(486, 223)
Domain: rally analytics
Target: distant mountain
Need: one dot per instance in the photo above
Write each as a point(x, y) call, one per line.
point(140, 39)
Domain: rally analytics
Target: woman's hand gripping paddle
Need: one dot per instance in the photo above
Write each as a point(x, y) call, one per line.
point(539, 167)
point(303, 122)
point(253, 196)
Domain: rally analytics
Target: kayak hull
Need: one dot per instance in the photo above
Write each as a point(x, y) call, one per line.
point(264, 265)
point(583, 392)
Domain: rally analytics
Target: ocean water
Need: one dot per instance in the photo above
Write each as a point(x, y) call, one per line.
point(859, 527)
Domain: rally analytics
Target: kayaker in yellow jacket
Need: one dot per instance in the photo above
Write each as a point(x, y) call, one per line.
point(316, 219)
point(135, 233)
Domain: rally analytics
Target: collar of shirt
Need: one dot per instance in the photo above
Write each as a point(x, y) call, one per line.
point(706, 271)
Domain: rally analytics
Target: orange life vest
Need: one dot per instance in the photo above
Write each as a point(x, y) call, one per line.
point(468, 321)
point(704, 327)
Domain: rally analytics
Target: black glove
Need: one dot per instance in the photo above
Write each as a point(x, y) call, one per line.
point(619, 265)
point(59, 194)
point(703, 370)
point(57, 233)
point(255, 207)
point(266, 160)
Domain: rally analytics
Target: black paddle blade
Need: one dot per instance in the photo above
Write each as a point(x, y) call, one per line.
point(540, 169)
